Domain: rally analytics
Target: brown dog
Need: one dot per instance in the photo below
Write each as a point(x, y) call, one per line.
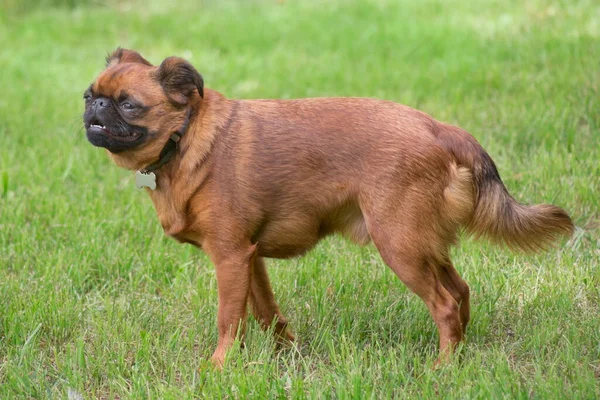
point(251, 179)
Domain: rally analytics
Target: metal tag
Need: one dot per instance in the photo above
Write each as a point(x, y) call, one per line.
point(145, 180)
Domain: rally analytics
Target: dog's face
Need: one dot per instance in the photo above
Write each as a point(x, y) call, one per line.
point(133, 107)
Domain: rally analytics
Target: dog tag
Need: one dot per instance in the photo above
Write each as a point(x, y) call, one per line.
point(145, 180)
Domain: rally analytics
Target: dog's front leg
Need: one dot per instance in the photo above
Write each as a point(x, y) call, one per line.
point(233, 285)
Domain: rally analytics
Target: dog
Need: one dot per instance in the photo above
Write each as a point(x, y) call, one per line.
point(246, 180)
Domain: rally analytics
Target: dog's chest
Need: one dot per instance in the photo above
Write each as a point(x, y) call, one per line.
point(189, 237)
point(185, 227)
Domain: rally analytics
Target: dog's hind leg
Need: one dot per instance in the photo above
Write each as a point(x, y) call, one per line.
point(458, 288)
point(263, 304)
point(421, 275)
point(413, 246)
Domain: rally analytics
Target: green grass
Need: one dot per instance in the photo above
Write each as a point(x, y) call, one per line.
point(95, 300)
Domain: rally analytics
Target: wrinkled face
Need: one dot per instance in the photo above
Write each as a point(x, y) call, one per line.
point(133, 103)
point(115, 114)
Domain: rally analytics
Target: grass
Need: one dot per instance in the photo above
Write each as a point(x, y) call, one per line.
point(95, 300)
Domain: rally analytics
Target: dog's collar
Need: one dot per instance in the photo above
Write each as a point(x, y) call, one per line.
point(146, 177)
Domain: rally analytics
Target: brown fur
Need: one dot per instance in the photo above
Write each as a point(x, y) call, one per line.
point(269, 178)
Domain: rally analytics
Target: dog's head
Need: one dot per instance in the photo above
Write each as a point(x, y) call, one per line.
point(132, 108)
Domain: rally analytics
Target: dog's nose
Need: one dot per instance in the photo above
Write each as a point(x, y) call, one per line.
point(101, 102)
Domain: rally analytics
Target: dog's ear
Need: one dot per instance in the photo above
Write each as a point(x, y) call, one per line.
point(179, 79)
point(121, 55)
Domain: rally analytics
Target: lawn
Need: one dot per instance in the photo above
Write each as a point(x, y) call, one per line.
point(94, 300)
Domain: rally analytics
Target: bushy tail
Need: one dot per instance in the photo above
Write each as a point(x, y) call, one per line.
point(502, 219)
point(496, 214)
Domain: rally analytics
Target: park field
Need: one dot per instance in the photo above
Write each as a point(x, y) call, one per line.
point(95, 302)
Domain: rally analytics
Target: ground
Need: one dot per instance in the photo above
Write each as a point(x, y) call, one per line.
point(95, 300)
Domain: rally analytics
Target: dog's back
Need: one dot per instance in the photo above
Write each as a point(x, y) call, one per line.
point(310, 166)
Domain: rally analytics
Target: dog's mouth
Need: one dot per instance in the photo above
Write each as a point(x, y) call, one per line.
point(115, 137)
point(96, 127)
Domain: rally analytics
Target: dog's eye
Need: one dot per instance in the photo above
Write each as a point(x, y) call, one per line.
point(87, 96)
point(127, 105)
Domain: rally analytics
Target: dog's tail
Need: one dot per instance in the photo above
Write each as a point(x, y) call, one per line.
point(495, 214)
